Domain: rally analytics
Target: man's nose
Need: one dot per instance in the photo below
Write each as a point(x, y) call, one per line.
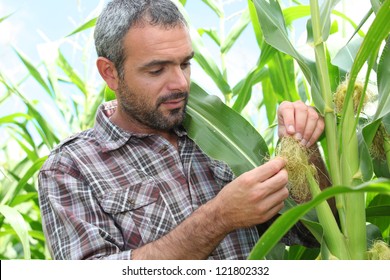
point(179, 79)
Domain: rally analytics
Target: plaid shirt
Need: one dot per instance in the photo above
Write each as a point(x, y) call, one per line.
point(105, 191)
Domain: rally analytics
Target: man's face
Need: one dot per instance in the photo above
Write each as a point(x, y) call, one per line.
point(155, 87)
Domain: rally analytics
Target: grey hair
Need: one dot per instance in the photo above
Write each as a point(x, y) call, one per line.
point(120, 15)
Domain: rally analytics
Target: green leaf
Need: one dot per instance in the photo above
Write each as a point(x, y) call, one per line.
point(295, 12)
point(346, 55)
point(12, 118)
point(11, 196)
point(291, 217)
point(204, 58)
point(325, 11)
point(378, 31)
point(15, 219)
point(282, 74)
point(89, 24)
point(255, 23)
point(378, 213)
point(215, 6)
point(5, 17)
point(365, 165)
point(270, 99)
point(222, 133)
point(212, 33)
point(23, 198)
point(275, 33)
point(71, 73)
point(34, 73)
point(376, 4)
point(244, 88)
point(236, 31)
point(383, 78)
point(325, 28)
point(43, 128)
point(109, 94)
point(207, 62)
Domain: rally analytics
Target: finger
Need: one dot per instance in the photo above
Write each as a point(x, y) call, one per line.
point(301, 111)
point(273, 204)
point(317, 132)
point(311, 124)
point(272, 212)
point(268, 169)
point(286, 119)
point(276, 183)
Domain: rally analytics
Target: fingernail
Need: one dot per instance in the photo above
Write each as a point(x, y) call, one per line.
point(298, 136)
point(303, 142)
point(291, 129)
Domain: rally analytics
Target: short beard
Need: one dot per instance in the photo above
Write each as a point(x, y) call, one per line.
point(138, 109)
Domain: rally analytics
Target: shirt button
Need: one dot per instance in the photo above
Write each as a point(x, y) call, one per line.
point(164, 148)
point(132, 202)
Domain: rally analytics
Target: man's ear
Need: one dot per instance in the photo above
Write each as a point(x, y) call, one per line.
point(108, 72)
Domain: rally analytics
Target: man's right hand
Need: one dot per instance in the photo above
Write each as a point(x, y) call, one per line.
point(254, 197)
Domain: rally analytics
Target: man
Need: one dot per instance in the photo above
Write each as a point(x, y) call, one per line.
point(135, 186)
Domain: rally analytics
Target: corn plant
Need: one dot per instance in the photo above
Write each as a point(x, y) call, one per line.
point(348, 133)
point(29, 136)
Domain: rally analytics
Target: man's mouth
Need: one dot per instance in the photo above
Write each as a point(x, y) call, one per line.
point(174, 101)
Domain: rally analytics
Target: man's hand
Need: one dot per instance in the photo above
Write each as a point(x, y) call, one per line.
point(300, 121)
point(252, 198)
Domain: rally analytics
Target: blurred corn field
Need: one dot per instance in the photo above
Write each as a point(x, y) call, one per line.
point(59, 94)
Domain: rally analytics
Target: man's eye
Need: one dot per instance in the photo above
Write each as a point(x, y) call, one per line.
point(156, 72)
point(185, 65)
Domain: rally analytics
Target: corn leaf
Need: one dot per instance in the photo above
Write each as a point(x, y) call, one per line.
point(274, 28)
point(9, 199)
point(222, 133)
point(34, 73)
point(207, 62)
point(244, 88)
point(378, 213)
point(15, 219)
point(215, 6)
point(378, 31)
point(282, 74)
point(383, 78)
point(255, 24)
point(43, 128)
point(5, 17)
point(203, 56)
point(71, 73)
point(325, 11)
point(212, 33)
point(89, 24)
point(275, 33)
point(345, 56)
point(236, 31)
point(280, 227)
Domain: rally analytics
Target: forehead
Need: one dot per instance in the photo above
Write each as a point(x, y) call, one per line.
point(157, 42)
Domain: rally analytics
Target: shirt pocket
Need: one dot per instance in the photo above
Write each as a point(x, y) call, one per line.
point(139, 212)
point(222, 173)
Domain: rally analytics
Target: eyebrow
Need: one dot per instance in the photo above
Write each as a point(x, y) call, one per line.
point(164, 62)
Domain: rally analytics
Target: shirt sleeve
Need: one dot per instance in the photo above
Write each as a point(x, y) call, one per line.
point(74, 224)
